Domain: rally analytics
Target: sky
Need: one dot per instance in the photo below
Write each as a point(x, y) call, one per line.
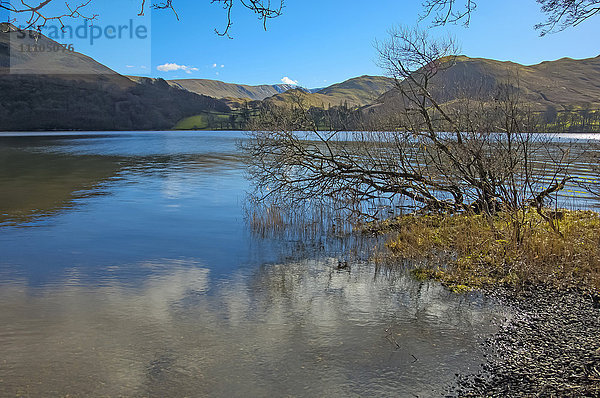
point(315, 43)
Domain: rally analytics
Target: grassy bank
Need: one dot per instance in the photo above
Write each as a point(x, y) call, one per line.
point(474, 251)
point(206, 121)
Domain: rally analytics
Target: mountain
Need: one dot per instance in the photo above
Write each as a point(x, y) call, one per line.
point(219, 89)
point(358, 91)
point(19, 55)
point(65, 90)
point(562, 84)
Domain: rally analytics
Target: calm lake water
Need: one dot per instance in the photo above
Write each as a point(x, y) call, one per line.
point(127, 269)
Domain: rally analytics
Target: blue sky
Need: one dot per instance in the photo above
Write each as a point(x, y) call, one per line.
point(318, 42)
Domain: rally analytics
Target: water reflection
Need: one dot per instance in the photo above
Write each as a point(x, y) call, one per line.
point(101, 201)
point(298, 328)
point(127, 269)
point(43, 175)
point(38, 184)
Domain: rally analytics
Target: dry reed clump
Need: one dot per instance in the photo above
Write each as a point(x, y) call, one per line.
point(266, 220)
point(466, 251)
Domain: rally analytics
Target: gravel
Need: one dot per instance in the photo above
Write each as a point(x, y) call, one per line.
point(548, 347)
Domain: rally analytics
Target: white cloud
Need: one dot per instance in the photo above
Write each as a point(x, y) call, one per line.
point(287, 80)
point(170, 67)
point(222, 66)
point(214, 65)
point(129, 66)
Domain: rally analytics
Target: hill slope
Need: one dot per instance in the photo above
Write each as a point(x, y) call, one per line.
point(358, 91)
point(219, 89)
point(561, 84)
point(56, 90)
point(68, 65)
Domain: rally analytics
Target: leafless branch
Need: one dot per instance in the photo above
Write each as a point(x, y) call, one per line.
point(446, 11)
point(476, 154)
point(37, 16)
point(560, 14)
point(565, 13)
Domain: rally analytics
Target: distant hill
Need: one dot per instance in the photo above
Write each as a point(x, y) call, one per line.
point(69, 65)
point(358, 91)
point(62, 90)
point(562, 84)
point(355, 92)
point(219, 89)
point(56, 90)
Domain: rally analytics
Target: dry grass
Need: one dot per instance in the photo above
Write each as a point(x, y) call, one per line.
point(474, 251)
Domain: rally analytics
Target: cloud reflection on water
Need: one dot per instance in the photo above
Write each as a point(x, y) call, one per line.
point(297, 328)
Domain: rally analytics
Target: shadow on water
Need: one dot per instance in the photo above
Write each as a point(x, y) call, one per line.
point(37, 183)
point(34, 185)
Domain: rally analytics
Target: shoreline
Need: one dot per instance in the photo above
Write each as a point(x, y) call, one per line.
point(550, 347)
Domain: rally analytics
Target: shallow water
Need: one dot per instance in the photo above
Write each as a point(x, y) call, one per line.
point(126, 269)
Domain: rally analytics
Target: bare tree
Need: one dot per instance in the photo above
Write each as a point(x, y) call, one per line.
point(561, 14)
point(478, 154)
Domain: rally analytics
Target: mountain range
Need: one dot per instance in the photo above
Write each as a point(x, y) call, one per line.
point(218, 89)
point(358, 91)
point(64, 90)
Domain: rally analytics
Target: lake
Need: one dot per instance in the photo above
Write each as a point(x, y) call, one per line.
point(127, 269)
